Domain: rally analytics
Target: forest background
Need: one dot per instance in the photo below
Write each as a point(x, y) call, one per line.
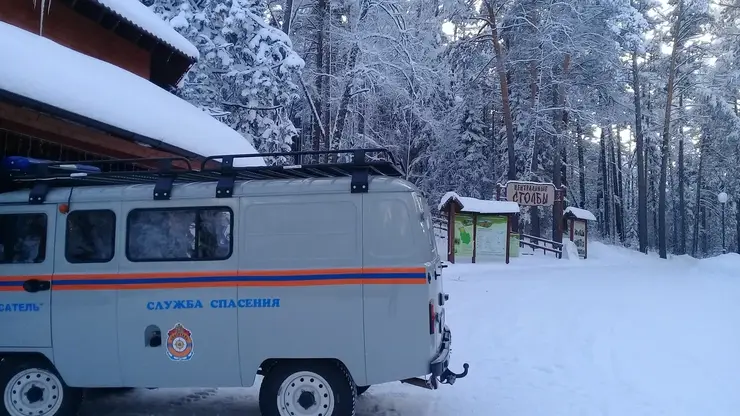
point(633, 105)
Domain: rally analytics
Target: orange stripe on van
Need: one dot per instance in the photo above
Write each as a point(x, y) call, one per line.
point(244, 278)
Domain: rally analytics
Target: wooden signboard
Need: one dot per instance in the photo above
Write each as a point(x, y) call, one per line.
point(530, 193)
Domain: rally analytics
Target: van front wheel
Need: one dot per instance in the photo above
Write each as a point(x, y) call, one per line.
point(34, 388)
point(307, 388)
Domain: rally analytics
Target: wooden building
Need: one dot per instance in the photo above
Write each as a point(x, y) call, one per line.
point(94, 79)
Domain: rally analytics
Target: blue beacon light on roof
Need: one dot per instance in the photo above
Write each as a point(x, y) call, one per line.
point(21, 164)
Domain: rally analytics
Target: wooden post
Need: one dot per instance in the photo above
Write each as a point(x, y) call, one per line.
point(571, 223)
point(585, 240)
point(450, 232)
point(561, 206)
point(508, 236)
point(475, 229)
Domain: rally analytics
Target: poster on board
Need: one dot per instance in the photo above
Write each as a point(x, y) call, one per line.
point(463, 237)
point(490, 238)
point(579, 237)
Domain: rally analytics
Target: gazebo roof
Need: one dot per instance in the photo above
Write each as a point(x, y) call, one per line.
point(579, 213)
point(478, 206)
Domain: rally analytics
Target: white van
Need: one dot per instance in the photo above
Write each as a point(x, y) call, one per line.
point(322, 278)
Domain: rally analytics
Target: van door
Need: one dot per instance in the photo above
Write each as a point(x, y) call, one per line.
point(177, 294)
point(398, 304)
point(301, 262)
point(84, 299)
point(26, 268)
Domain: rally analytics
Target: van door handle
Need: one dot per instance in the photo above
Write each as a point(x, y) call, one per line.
point(35, 285)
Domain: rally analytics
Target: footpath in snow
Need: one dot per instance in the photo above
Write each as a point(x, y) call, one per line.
point(618, 334)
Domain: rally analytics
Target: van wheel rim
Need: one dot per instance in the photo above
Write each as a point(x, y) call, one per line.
point(34, 392)
point(305, 394)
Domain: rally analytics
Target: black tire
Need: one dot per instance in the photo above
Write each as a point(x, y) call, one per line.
point(339, 385)
point(362, 389)
point(48, 381)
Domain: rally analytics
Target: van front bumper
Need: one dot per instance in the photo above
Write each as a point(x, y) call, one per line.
point(439, 367)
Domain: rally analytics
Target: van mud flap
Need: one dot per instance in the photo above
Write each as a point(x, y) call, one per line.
point(440, 373)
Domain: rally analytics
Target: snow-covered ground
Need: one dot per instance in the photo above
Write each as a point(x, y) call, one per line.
point(618, 334)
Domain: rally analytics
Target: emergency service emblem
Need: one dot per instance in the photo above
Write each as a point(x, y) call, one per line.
point(179, 343)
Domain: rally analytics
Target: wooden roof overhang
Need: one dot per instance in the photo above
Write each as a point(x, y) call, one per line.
point(34, 118)
point(168, 65)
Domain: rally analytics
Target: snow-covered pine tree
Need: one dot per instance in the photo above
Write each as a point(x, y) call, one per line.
point(246, 70)
point(260, 65)
point(201, 85)
point(474, 149)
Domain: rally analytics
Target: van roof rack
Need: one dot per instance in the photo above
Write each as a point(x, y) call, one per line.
point(40, 175)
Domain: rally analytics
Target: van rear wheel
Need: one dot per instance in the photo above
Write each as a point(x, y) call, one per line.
point(307, 388)
point(35, 388)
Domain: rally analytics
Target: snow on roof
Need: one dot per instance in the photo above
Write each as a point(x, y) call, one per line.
point(581, 214)
point(480, 206)
point(140, 15)
point(40, 69)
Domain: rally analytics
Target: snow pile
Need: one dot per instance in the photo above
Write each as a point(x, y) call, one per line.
point(570, 250)
point(726, 263)
point(138, 14)
point(42, 70)
point(479, 205)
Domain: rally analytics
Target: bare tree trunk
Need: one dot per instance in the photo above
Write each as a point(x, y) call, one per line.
point(344, 104)
point(617, 196)
point(599, 199)
point(325, 6)
point(320, 128)
point(620, 182)
point(534, 212)
point(642, 222)
point(674, 208)
point(559, 122)
point(605, 183)
point(504, 84)
point(681, 249)
point(287, 16)
point(699, 184)
point(737, 226)
point(704, 232)
point(665, 150)
point(581, 166)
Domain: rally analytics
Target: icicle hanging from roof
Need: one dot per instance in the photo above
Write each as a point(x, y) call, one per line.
point(45, 4)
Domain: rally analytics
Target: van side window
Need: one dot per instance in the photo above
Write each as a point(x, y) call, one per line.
point(179, 234)
point(91, 236)
point(392, 224)
point(23, 238)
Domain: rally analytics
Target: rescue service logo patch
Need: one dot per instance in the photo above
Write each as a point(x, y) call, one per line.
point(179, 343)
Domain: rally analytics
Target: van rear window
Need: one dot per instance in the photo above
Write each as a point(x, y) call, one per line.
point(23, 238)
point(179, 234)
point(91, 236)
